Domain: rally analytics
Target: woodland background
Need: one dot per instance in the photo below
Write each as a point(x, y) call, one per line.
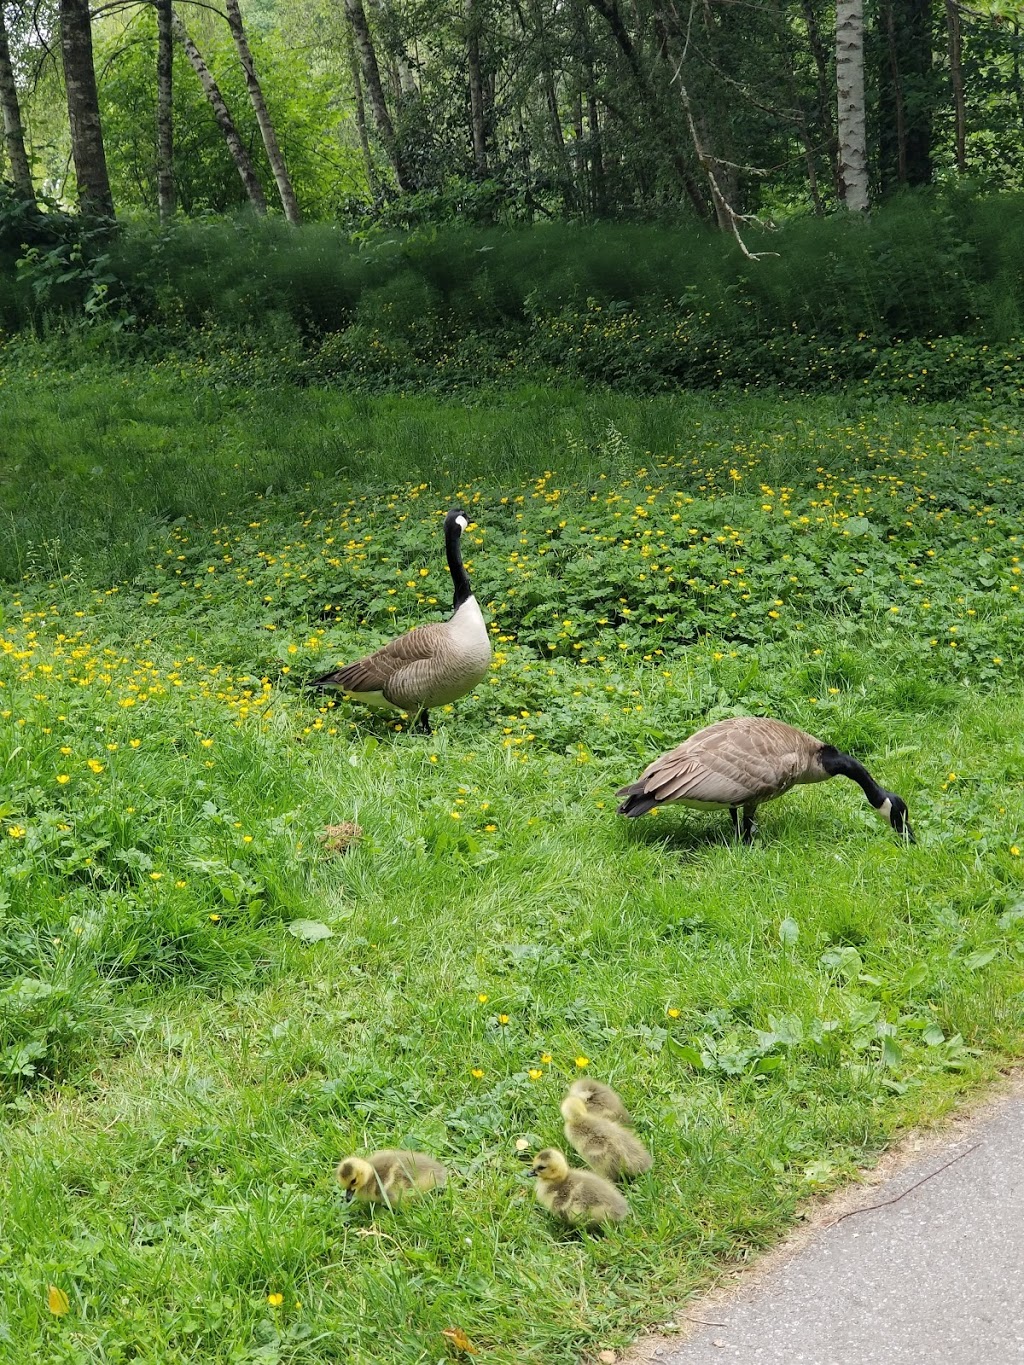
point(733, 191)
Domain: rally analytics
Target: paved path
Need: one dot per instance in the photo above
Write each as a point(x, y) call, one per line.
point(934, 1279)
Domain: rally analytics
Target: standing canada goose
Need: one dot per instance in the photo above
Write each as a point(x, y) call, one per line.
point(737, 764)
point(607, 1147)
point(387, 1177)
point(430, 665)
point(577, 1197)
point(601, 1100)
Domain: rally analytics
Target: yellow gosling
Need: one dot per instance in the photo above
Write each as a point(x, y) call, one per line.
point(607, 1147)
point(601, 1100)
point(577, 1197)
point(389, 1177)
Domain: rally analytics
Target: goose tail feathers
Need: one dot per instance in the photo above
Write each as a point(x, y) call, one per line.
point(637, 801)
point(332, 679)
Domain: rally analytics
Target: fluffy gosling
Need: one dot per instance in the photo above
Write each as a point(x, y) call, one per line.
point(577, 1197)
point(610, 1149)
point(388, 1177)
point(601, 1100)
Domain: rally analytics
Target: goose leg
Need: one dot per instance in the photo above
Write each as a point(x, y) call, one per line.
point(748, 824)
point(425, 723)
point(734, 811)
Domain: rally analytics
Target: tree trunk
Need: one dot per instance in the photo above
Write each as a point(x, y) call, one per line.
point(793, 97)
point(609, 12)
point(956, 76)
point(826, 109)
point(594, 148)
point(356, 15)
point(357, 89)
point(94, 197)
point(476, 87)
point(906, 94)
point(852, 123)
point(14, 133)
point(222, 114)
point(892, 123)
point(403, 78)
point(274, 155)
point(165, 192)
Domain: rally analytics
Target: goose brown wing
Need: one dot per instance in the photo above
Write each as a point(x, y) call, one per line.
point(378, 670)
point(736, 761)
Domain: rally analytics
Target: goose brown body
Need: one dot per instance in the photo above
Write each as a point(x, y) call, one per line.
point(740, 763)
point(577, 1197)
point(389, 1176)
point(430, 665)
point(607, 1147)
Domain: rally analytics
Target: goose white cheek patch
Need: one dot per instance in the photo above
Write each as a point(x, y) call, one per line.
point(461, 521)
point(885, 810)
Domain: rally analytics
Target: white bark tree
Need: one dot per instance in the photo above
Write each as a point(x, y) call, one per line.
point(852, 120)
point(274, 154)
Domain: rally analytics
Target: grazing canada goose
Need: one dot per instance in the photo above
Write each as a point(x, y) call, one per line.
point(737, 764)
point(577, 1197)
point(606, 1147)
point(388, 1177)
point(430, 665)
point(601, 1100)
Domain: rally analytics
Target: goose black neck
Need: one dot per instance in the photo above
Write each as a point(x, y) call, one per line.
point(838, 764)
point(460, 578)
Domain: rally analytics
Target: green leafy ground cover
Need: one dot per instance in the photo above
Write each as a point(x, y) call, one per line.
point(182, 1061)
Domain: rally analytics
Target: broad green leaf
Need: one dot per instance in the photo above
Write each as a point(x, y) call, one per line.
point(310, 930)
point(981, 958)
point(689, 1054)
point(891, 1054)
point(789, 932)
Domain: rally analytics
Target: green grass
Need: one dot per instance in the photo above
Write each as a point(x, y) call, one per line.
point(181, 1072)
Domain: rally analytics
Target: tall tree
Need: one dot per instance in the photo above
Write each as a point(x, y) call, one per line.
point(94, 197)
point(235, 145)
point(165, 191)
point(14, 133)
point(956, 79)
point(368, 64)
point(274, 155)
point(471, 15)
point(852, 118)
point(360, 110)
point(905, 94)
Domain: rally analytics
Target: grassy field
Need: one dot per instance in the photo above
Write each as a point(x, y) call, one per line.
point(185, 1052)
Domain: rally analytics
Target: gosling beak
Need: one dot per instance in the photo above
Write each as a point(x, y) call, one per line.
point(349, 1196)
point(530, 1175)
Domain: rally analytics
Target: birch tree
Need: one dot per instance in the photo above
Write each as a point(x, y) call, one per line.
point(274, 154)
point(165, 192)
point(852, 121)
point(370, 68)
point(14, 133)
point(235, 145)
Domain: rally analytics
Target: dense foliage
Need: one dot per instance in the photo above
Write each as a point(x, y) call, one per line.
point(926, 299)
